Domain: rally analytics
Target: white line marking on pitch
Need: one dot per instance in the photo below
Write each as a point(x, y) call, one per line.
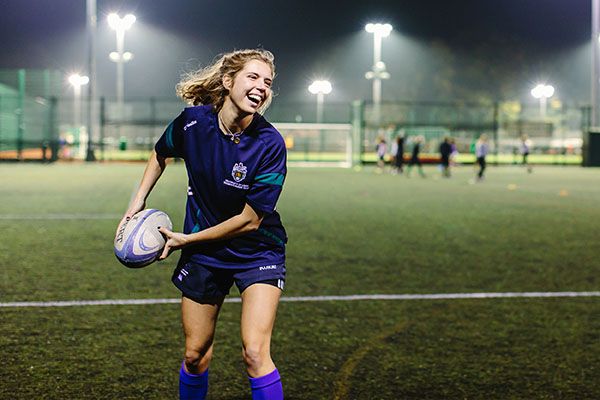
point(44, 217)
point(433, 296)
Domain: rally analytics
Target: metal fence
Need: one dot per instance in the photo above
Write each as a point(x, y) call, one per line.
point(555, 137)
point(47, 128)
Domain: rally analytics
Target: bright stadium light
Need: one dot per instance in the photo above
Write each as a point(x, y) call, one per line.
point(320, 88)
point(382, 29)
point(120, 25)
point(77, 81)
point(378, 72)
point(542, 92)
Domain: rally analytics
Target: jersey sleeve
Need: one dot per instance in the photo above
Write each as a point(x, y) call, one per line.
point(268, 181)
point(170, 144)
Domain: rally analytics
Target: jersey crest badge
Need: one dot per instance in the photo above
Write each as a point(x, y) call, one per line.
point(239, 172)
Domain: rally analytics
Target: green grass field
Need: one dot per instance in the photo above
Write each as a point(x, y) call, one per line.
point(351, 232)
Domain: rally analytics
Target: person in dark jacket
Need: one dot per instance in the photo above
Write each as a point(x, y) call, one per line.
point(445, 151)
point(414, 159)
point(398, 154)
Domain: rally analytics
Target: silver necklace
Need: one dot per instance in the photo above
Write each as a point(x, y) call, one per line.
point(235, 137)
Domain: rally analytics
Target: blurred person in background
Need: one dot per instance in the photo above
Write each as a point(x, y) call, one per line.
point(445, 151)
point(525, 148)
point(398, 155)
point(414, 158)
point(381, 151)
point(481, 151)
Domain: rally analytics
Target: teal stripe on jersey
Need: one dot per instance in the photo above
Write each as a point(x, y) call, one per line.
point(169, 137)
point(196, 227)
point(273, 178)
point(271, 236)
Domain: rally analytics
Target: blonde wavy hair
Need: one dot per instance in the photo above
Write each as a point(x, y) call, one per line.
point(205, 86)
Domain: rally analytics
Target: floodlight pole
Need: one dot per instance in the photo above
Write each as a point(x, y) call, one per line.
point(543, 106)
point(320, 88)
point(120, 25)
point(77, 106)
point(376, 60)
point(91, 29)
point(120, 70)
point(320, 99)
point(378, 72)
point(595, 61)
point(77, 81)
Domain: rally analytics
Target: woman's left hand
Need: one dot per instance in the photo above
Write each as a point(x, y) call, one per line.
point(174, 241)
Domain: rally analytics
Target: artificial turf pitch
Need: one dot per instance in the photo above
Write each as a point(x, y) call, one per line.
point(351, 232)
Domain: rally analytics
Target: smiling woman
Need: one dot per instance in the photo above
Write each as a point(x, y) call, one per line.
point(205, 86)
point(236, 165)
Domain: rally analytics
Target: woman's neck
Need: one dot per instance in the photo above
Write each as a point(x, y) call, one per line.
point(231, 118)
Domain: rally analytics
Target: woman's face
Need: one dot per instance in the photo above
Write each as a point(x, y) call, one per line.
point(251, 87)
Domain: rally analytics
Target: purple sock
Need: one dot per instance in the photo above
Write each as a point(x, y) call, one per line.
point(191, 386)
point(267, 387)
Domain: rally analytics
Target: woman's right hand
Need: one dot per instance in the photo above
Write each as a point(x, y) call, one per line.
point(154, 169)
point(135, 207)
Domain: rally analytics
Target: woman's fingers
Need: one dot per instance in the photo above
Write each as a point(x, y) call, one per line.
point(168, 242)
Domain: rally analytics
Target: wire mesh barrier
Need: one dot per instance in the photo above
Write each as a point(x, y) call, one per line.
point(47, 128)
point(27, 121)
point(553, 138)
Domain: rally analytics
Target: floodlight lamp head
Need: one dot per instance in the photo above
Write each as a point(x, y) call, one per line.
point(77, 80)
point(113, 21)
point(542, 91)
point(548, 91)
point(326, 87)
point(127, 56)
point(323, 87)
point(379, 66)
point(128, 21)
point(386, 29)
point(114, 56)
point(120, 24)
point(382, 30)
point(73, 79)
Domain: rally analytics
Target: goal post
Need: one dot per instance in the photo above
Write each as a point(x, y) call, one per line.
point(317, 144)
point(325, 144)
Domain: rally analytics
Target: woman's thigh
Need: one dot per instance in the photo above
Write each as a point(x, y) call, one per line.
point(259, 308)
point(199, 322)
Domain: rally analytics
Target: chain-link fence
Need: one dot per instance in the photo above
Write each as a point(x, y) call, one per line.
point(555, 137)
point(48, 128)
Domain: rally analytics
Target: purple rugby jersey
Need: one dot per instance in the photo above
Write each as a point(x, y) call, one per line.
point(223, 176)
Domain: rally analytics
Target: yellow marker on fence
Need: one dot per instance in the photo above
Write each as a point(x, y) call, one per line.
point(512, 186)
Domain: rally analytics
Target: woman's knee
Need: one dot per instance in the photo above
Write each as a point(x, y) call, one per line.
point(255, 354)
point(197, 358)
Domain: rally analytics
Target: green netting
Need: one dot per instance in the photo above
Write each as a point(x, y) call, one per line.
point(26, 120)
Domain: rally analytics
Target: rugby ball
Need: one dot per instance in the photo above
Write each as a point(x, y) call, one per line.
point(138, 242)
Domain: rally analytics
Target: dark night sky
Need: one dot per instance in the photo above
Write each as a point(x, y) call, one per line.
point(530, 39)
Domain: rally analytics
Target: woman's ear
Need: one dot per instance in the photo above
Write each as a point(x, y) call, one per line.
point(227, 82)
